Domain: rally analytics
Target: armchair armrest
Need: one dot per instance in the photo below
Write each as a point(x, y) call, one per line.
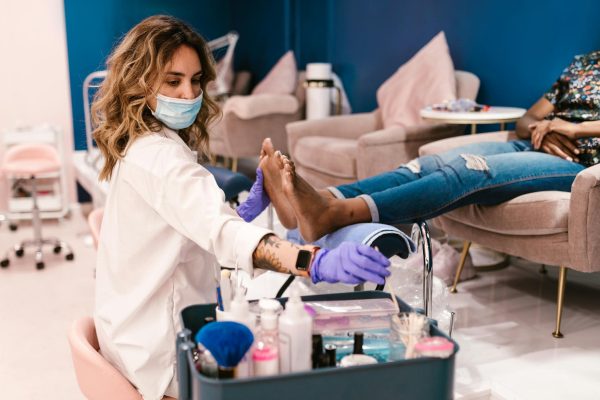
point(253, 106)
point(341, 126)
point(386, 149)
point(452, 143)
point(584, 221)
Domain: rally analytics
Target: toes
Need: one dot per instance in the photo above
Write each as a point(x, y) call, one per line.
point(279, 159)
point(267, 147)
point(289, 166)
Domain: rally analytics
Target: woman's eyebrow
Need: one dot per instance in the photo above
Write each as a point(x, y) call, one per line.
point(176, 73)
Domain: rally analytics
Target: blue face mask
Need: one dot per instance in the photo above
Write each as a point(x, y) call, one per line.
point(177, 113)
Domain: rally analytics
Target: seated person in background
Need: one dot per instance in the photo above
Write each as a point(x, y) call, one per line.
point(548, 156)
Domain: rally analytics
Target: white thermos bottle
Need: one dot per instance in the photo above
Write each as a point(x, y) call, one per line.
point(295, 336)
point(319, 86)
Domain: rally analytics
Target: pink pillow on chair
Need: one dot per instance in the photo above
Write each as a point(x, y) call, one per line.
point(281, 79)
point(427, 78)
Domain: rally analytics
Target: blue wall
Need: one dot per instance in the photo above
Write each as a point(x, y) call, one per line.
point(516, 47)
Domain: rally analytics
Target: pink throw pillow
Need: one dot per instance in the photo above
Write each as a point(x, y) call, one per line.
point(427, 78)
point(281, 79)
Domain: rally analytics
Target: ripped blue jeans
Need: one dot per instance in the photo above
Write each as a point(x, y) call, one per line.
point(481, 173)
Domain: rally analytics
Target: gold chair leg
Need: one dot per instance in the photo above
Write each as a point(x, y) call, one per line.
point(234, 164)
point(461, 264)
point(562, 282)
point(212, 159)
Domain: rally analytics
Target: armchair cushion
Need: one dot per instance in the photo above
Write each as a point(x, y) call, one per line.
point(282, 77)
point(334, 156)
point(248, 107)
point(426, 78)
point(533, 214)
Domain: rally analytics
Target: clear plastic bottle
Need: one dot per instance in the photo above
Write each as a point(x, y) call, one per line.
point(295, 336)
point(265, 356)
point(240, 312)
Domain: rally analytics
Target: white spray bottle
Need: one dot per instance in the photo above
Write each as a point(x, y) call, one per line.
point(295, 336)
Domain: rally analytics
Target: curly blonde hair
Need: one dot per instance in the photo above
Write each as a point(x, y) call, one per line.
point(120, 109)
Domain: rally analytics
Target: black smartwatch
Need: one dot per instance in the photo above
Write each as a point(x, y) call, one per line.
point(303, 260)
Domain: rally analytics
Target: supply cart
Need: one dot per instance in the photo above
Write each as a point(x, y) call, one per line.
point(419, 378)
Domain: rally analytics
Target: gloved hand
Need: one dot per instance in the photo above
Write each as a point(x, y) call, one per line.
point(257, 200)
point(350, 263)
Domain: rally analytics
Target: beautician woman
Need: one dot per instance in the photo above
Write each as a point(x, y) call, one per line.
point(166, 224)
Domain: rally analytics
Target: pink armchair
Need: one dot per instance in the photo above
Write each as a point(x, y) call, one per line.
point(555, 228)
point(343, 149)
point(248, 120)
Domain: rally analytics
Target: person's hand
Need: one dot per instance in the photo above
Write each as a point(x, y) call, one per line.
point(559, 145)
point(351, 263)
point(563, 127)
point(257, 200)
point(538, 131)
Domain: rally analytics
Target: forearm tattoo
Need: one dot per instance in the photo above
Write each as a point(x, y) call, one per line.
point(270, 254)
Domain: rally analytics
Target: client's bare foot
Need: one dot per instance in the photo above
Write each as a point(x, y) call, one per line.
point(316, 214)
point(271, 163)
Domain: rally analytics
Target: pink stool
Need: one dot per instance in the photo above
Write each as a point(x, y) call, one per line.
point(27, 161)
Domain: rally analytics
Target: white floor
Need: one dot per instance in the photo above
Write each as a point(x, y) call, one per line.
point(504, 324)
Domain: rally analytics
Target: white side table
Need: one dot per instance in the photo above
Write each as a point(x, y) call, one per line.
point(494, 115)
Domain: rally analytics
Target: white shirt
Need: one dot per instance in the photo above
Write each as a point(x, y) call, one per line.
point(165, 221)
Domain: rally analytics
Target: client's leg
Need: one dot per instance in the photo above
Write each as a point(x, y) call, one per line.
point(469, 179)
point(319, 214)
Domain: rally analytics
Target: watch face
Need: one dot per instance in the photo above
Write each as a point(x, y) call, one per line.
point(303, 260)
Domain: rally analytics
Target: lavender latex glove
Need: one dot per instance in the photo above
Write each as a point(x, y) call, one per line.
point(351, 263)
point(257, 200)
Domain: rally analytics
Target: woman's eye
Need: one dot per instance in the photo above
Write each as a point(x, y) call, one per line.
point(172, 83)
point(196, 81)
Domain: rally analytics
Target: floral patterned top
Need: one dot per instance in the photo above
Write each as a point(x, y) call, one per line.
point(576, 93)
point(576, 98)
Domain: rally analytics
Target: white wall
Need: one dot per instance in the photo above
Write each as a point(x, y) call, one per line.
point(34, 77)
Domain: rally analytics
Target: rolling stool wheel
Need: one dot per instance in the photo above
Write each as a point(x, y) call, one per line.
point(4, 263)
point(57, 249)
point(70, 257)
point(13, 227)
point(39, 265)
point(20, 252)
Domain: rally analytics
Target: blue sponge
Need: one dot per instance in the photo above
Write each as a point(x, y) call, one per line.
point(227, 341)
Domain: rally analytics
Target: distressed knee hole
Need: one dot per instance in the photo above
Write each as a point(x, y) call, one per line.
point(476, 163)
point(414, 166)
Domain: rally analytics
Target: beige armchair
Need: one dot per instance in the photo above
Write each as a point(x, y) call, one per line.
point(555, 228)
point(343, 149)
point(248, 120)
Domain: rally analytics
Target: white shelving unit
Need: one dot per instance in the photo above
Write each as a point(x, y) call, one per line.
point(52, 188)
